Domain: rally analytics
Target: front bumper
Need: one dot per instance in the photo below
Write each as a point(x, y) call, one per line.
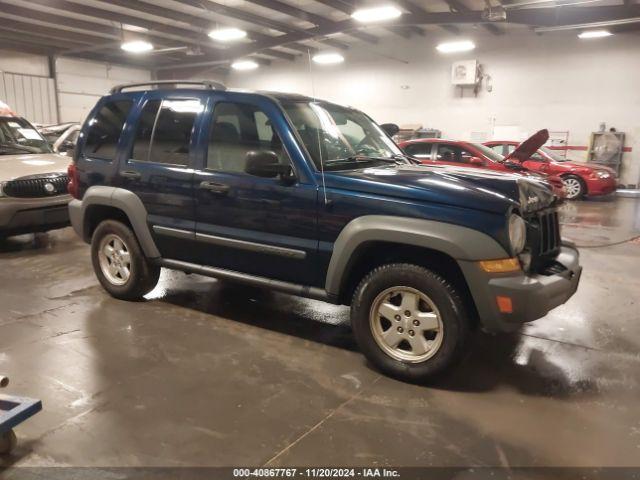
point(601, 186)
point(532, 296)
point(26, 215)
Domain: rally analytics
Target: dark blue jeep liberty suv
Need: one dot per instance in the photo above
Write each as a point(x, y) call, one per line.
point(314, 199)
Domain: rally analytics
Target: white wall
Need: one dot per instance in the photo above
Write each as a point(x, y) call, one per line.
point(81, 83)
point(23, 63)
point(555, 81)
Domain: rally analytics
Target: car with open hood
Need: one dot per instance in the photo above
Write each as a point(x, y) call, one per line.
point(313, 199)
point(579, 178)
point(436, 151)
point(33, 180)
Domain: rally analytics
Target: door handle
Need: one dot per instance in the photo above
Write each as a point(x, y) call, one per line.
point(213, 187)
point(130, 174)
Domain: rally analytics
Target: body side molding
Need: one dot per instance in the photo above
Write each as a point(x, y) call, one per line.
point(460, 243)
point(245, 278)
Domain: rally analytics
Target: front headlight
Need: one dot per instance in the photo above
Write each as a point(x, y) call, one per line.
point(517, 233)
point(602, 174)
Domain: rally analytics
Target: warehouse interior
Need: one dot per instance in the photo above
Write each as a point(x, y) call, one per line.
point(212, 373)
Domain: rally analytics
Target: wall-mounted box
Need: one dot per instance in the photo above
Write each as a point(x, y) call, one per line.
point(464, 73)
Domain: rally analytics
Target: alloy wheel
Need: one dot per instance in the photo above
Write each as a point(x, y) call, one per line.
point(115, 259)
point(406, 324)
point(572, 187)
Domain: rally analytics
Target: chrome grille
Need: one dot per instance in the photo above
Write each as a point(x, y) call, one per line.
point(543, 237)
point(36, 186)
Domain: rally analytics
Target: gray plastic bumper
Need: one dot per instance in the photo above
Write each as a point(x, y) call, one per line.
point(76, 217)
point(532, 296)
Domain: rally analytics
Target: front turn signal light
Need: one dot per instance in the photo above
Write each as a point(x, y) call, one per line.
point(503, 265)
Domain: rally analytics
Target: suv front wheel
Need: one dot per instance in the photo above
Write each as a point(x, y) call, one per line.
point(119, 262)
point(409, 321)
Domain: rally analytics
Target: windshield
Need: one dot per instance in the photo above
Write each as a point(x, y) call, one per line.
point(553, 155)
point(488, 152)
point(17, 136)
point(335, 136)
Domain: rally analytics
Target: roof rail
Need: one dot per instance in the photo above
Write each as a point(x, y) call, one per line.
point(203, 83)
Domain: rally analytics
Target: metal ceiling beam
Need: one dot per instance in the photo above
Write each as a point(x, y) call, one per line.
point(18, 37)
point(541, 16)
point(249, 17)
point(58, 20)
point(317, 20)
point(155, 29)
point(53, 33)
point(412, 7)
point(458, 6)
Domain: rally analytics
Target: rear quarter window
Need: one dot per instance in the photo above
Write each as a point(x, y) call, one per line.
point(105, 129)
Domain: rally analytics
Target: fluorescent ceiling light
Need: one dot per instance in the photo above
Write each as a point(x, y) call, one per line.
point(328, 58)
point(134, 28)
point(244, 65)
point(376, 14)
point(227, 34)
point(137, 46)
point(595, 34)
point(459, 46)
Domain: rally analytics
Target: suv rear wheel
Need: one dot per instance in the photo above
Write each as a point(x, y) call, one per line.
point(119, 262)
point(409, 321)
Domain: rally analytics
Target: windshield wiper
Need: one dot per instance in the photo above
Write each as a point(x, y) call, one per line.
point(12, 146)
point(363, 158)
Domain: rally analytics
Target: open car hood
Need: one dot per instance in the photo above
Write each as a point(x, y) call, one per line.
point(529, 146)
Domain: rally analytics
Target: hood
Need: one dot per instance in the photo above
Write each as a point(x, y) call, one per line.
point(529, 146)
point(457, 186)
point(24, 165)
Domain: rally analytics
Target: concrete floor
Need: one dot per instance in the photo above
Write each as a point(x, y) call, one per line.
point(209, 374)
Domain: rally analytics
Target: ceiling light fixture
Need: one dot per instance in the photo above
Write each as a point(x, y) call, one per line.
point(595, 34)
point(243, 65)
point(328, 58)
point(137, 46)
point(227, 34)
point(458, 46)
point(376, 14)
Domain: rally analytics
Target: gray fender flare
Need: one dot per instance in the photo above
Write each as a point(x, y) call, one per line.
point(121, 199)
point(460, 243)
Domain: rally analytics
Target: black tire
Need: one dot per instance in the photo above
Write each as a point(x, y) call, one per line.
point(455, 324)
point(143, 275)
point(578, 183)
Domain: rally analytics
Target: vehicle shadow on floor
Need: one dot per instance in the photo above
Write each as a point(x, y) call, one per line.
point(492, 362)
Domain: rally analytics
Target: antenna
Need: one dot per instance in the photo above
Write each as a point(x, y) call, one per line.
point(313, 95)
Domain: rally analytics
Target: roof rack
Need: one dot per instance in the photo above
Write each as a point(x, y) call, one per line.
point(202, 83)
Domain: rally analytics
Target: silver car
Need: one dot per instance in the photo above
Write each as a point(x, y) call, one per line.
point(33, 180)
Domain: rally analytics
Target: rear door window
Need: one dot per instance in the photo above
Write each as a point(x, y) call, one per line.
point(453, 153)
point(164, 130)
point(419, 150)
point(105, 129)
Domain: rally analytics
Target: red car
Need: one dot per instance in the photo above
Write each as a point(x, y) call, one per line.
point(468, 154)
point(579, 178)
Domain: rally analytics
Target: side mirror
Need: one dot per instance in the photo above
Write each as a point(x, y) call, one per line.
point(390, 128)
point(264, 163)
point(476, 162)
